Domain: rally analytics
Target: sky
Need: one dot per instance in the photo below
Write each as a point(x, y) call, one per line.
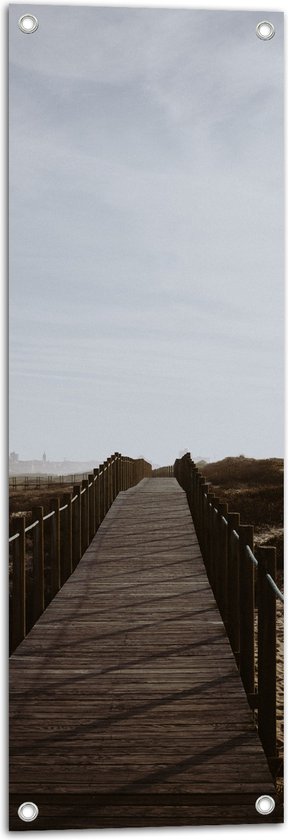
point(146, 284)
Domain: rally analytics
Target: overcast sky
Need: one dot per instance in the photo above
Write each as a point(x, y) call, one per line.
point(146, 234)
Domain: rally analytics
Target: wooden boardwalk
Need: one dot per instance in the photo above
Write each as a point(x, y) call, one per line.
point(127, 707)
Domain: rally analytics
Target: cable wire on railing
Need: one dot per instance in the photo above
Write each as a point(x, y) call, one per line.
point(30, 527)
point(74, 498)
point(14, 537)
point(269, 577)
point(48, 515)
point(251, 555)
point(274, 586)
point(63, 508)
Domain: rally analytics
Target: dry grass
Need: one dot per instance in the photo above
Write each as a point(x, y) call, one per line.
point(255, 490)
point(22, 501)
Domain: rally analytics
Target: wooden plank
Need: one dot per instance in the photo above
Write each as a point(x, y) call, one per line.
point(126, 706)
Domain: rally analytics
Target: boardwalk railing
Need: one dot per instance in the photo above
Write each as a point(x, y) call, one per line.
point(53, 544)
point(235, 575)
point(163, 472)
point(35, 480)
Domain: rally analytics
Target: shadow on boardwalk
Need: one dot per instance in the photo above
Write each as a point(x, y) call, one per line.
point(129, 710)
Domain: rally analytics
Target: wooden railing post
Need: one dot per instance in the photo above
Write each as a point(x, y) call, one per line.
point(105, 486)
point(76, 526)
point(204, 516)
point(246, 599)
point(101, 491)
point(55, 568)
point(84, 516)
point(113, 490)
point(117, 473)
point(209, 565)
point(197, 498)
point(266, 650)
point(113, 478)
point(18, 602)
point(92, 526)
point(192, 483)
point(233, 611)
point(109, 482)
point(194, 510)
point(222, 559)
point(38, 595)
point(201, 482)
point(191, 492)
point(66, 522)
point(214, 543)
point(96, 498)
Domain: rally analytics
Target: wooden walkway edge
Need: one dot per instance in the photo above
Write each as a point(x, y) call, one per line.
point(126, 704)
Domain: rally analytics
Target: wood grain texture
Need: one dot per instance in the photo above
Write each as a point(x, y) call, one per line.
point(126, 705)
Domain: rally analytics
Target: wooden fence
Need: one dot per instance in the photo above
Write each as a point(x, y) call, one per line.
point(58, 539)
point(239, 580)
point(163, 472)
point(34, 480)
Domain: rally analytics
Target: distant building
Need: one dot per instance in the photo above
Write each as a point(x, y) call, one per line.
point(13, 457)
point(44, 458)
